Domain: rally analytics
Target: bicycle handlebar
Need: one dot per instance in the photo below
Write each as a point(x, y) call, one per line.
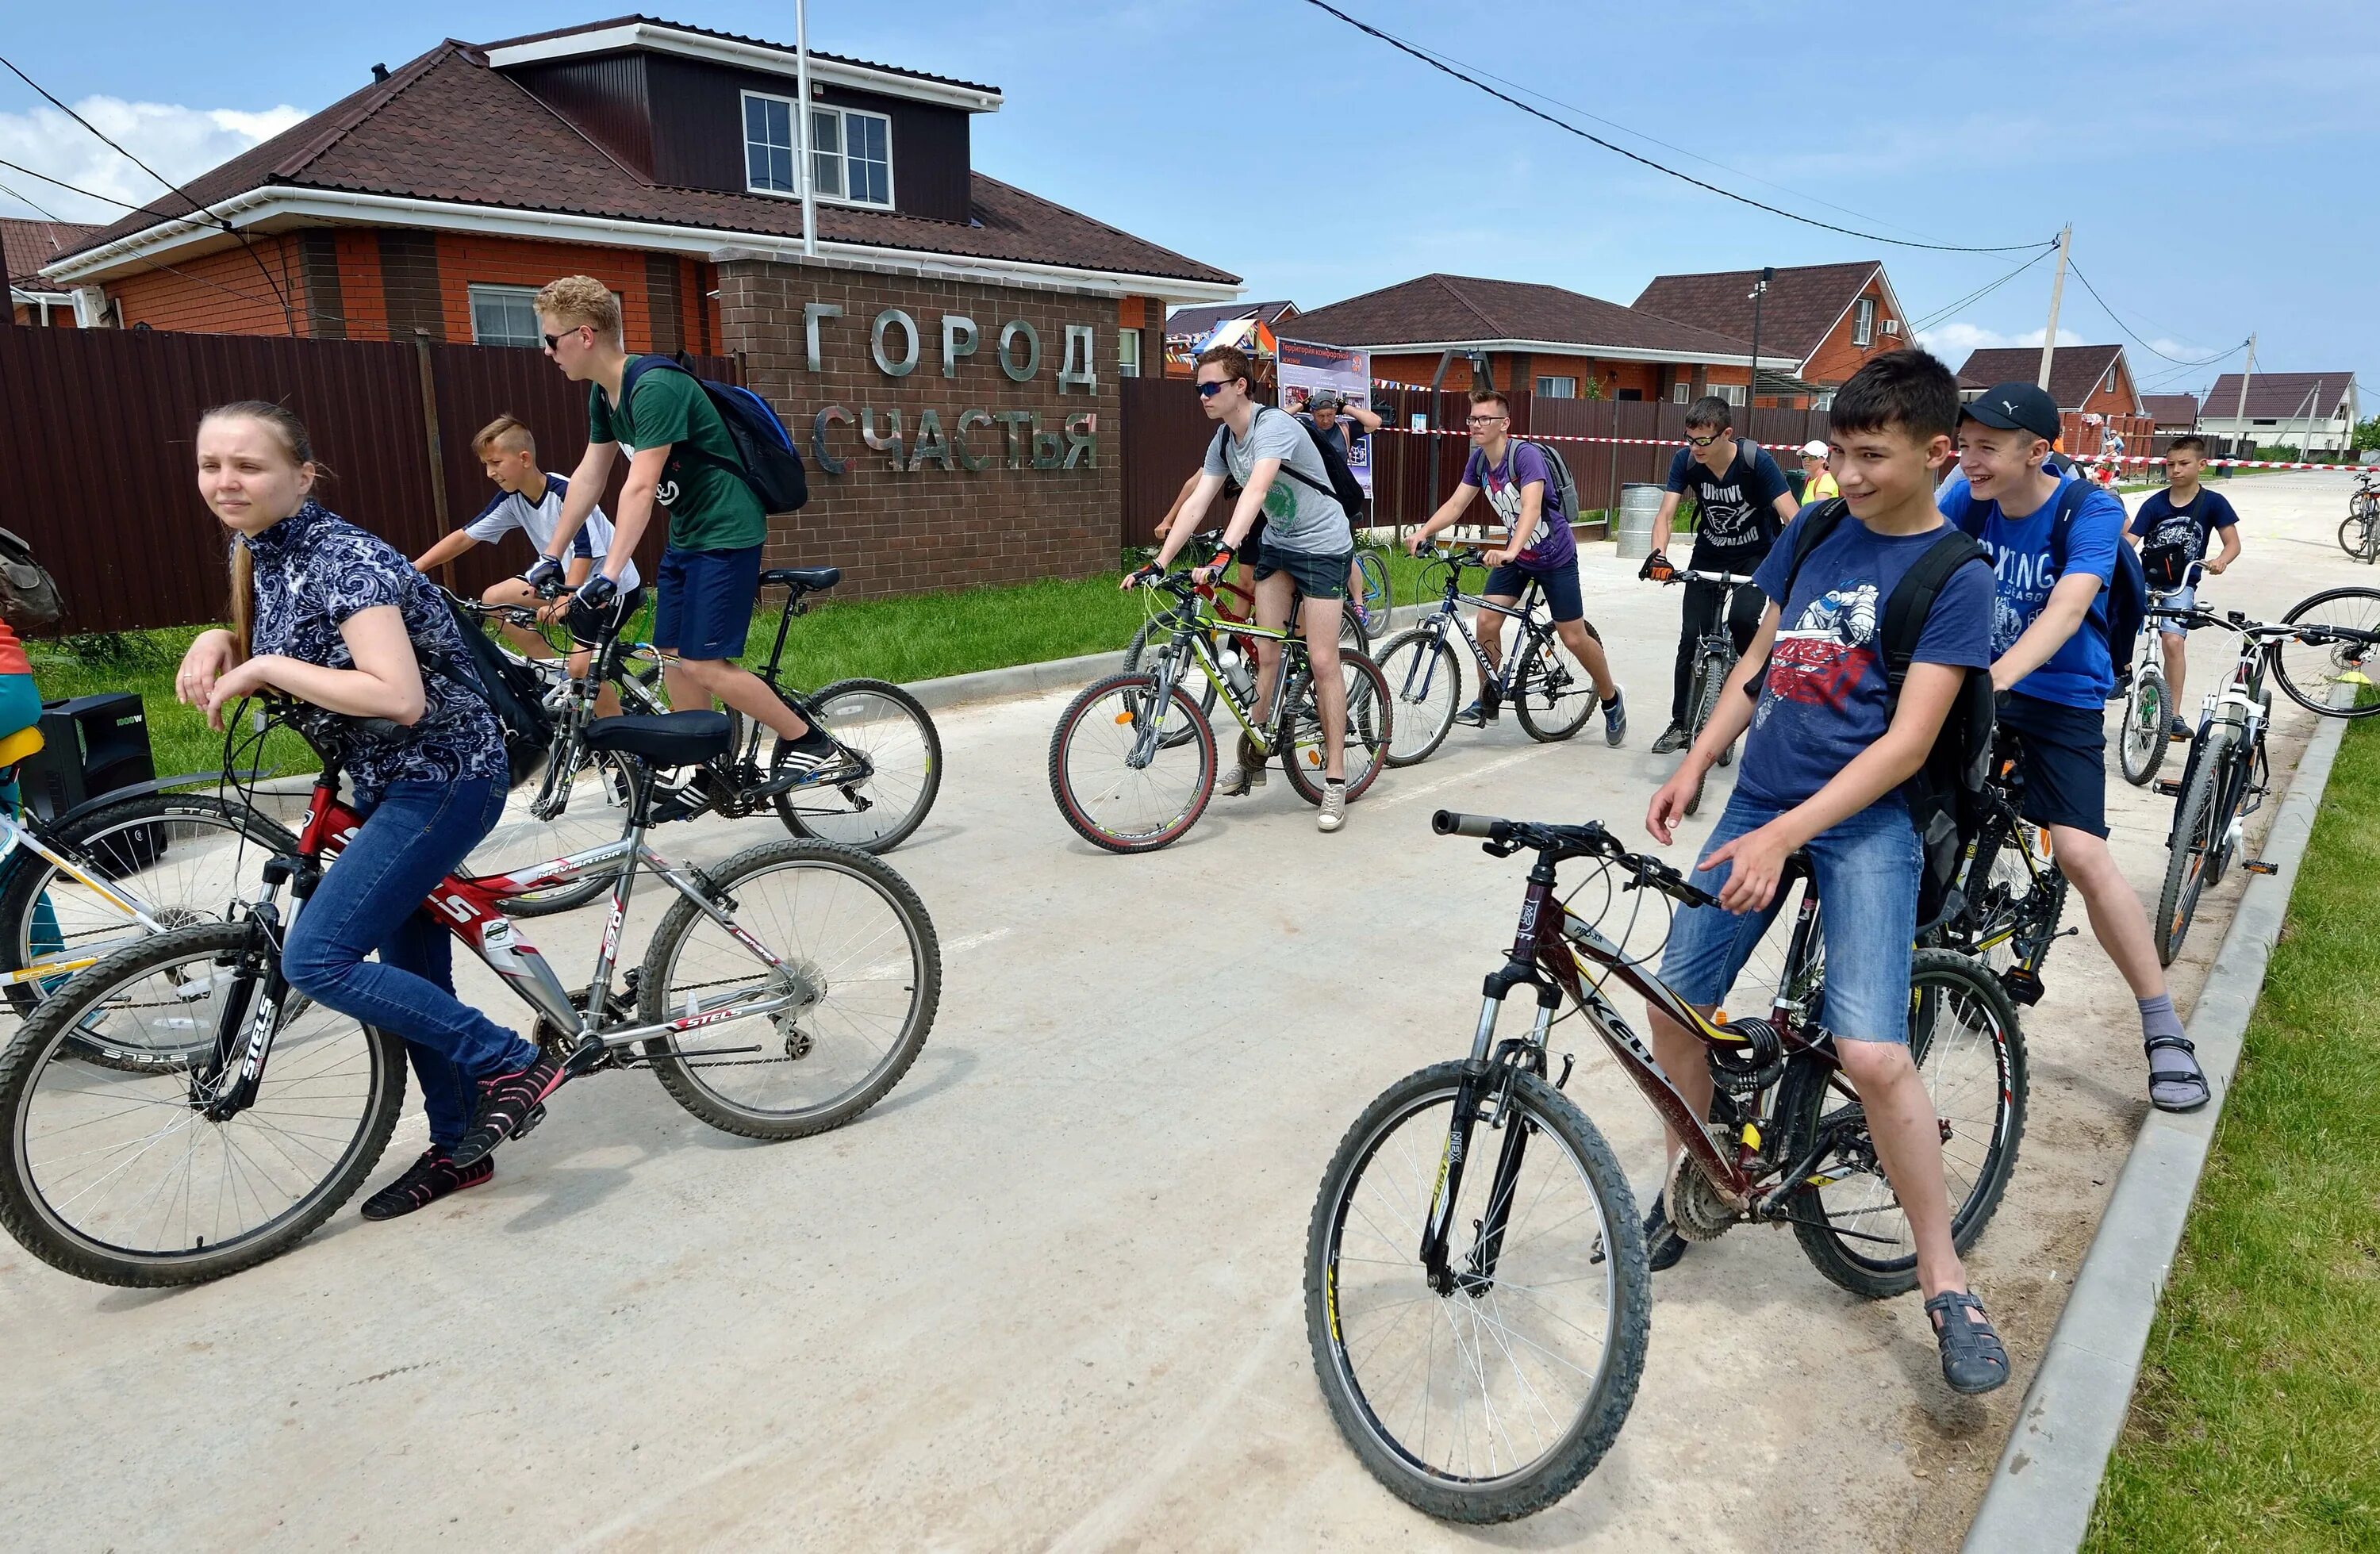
point(1725, 579)
point(1506, 837)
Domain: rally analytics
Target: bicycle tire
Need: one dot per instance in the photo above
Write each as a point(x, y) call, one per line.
point(1702, 707)
point(105, 841)
point(1804, 1093)
point(1426, 677)
point(2195, 828)
point(900, 717)
point(1549, 669)
point(37, 1225)
point(2359, 536)
point(602, 773)
point(2356, 666)
point(1123, 688)
point(683, 1078)
point(2148, 716)
point(1204, 695)
point(1562, 1467)
point(1371, 728)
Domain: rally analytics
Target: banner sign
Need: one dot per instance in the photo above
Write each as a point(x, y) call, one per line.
point(1348, 373)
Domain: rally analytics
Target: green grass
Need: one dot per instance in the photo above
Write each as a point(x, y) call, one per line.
point(2254, 1425)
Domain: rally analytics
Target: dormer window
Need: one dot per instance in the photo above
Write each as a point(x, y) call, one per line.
point(851, 151)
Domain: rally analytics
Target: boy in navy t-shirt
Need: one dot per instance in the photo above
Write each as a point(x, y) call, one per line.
point(1829, 752)
point(2172, 530)
point(2049, 647)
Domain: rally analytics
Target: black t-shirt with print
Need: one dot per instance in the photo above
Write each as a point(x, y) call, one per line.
point(1738, 518)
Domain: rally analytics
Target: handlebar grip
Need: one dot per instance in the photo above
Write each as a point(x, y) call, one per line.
point(1447, 822)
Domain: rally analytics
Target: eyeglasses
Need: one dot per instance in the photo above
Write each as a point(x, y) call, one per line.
point(1485, 420)
point(1702, 442)
point(1208, 390)
point(553, 342)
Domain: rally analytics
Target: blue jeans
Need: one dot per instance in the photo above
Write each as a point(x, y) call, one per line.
point(1867, 871)
point(413, 836)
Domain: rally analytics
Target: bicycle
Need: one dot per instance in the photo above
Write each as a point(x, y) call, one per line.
point(1533, 1313)
point(263, 1111)
point(1119, 745)
point(2148, 702)
point(2359, 535)
point(1715, 659)
point(874, 799)
point(1549, 689)
point(2013, 892)
point(1378, 601)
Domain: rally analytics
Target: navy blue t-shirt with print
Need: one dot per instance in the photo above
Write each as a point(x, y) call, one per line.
point(1825, 697)
point(1736, 517)
point(2187, 529)
point(2081, 673)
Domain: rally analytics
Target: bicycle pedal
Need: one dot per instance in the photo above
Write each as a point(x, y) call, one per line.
point(2258, 866)
point(2021, 986)
point(2169, 787)
point(530, 1119)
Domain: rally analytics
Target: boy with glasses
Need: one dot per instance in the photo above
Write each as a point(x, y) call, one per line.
point(1742, 503)
point(1538, 546)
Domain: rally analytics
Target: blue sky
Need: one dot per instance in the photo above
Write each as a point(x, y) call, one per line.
point(2213, 168)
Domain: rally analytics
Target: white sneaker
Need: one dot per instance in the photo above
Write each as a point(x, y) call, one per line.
point(1333, 813)
point(1245, 776)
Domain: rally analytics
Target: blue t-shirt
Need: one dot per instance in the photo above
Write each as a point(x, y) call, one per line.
point(1552, 547)
point(2188, 528)
point(2079, 673)
point(1825, 696)
point(1737, 518)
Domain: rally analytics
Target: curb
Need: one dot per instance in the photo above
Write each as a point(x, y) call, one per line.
point(2042, 1493)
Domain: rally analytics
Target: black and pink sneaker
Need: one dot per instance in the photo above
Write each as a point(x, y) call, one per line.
point(510, 1105)
point(425, 1181)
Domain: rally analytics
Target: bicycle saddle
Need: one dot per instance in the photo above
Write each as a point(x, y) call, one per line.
point(815, 580)
point(665, 739)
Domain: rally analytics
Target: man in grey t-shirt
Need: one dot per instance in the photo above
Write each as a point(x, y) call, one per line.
point(1308, 546)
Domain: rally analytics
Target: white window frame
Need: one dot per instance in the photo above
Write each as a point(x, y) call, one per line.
point(1127, 352)
point(1682, 394)
point(842, 140)
point(793, 150)
point(1864, 322)
point(1554, 387)
point(525, 295)
point(1733, 393)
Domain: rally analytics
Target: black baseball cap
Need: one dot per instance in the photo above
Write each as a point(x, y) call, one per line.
point(2017, 407)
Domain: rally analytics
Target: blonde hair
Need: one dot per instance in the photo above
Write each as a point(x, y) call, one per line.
point(576, 300)
point(290, 432)
point(505, 431)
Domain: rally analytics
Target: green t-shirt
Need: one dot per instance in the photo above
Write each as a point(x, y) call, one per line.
point(709, 507)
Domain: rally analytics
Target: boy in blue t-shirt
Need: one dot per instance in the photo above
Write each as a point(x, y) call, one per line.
point(2172, 530)
point(1823, 768)
point(2049, 646)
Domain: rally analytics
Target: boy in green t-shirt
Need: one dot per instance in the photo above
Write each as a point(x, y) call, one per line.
point(710, 570)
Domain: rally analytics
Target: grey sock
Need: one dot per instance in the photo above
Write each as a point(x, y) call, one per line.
point(2157, 1017)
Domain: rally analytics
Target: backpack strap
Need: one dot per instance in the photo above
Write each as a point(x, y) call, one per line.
point(1913, 600)
point(1286, 467)
point(637, 369)
point(1809, 530)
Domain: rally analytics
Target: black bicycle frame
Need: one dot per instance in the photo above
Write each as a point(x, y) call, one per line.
point(1441, 621)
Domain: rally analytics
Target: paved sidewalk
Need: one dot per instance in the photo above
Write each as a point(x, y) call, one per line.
point(1047, 1294)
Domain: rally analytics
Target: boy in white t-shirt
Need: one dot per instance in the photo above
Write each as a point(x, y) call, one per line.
point(531, 500)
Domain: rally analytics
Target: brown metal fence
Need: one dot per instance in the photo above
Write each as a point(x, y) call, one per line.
point(1164, 437)
point(96, 448)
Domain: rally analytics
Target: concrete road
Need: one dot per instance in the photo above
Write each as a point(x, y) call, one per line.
point(1047, 1294)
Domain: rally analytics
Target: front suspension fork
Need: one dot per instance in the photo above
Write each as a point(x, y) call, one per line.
point(1479, 1076)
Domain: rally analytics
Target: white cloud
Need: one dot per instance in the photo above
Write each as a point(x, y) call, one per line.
point(1951, 342)
point(180, 143)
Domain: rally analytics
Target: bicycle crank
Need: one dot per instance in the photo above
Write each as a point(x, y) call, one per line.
point(1698, 1206)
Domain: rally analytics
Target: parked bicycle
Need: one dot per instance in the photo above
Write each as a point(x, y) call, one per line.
point(2359, 535)
point(255, 1114)
point(2012, 892)
point(1379, 595)
point(1714, 658)
point(1132, 762)
point(2148, 700)
point(1549, 689)
point(874, 800)
point(1476, 1285)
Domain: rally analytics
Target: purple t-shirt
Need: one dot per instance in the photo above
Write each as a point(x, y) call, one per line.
point(1552, 547)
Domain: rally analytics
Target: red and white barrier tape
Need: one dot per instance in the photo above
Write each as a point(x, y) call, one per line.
point(2072, 458)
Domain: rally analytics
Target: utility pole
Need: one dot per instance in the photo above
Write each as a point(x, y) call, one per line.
point(2056, 294)
point(1752, 392)
point(2239, 411)
point(802, 127)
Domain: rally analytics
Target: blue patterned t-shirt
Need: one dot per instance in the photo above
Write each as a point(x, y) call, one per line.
point(314, 570)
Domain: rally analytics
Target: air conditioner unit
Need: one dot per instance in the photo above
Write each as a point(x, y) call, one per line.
point(1892, 326)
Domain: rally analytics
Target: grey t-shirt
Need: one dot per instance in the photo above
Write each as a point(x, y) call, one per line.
point(1297, 516)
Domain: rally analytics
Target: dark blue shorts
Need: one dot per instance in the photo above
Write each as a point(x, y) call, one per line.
point(2062, 761)
point(704, 601)
point(1561, 585)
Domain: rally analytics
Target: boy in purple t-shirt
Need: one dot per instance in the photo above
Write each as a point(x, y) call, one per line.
point(1538, 548)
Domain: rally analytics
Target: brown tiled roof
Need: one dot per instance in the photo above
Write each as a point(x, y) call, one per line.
point(2173, 410)
point(25, 246)
point(734, 38)
point(2073, 372)
point(2276, 395)
point(406, 136)
point(1203, 320)
point(1465, 309)
point(1802, 304)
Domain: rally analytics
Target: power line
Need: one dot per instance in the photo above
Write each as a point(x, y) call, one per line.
point(1442, 67)
point(2120, 323)
point(1978, 294)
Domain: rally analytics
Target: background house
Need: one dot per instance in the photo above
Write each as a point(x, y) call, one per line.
point(25, 246)
point(2314, 411)
point(1188, 326)
point(2093, 385)
point(1818, 322)
point(2174, 413)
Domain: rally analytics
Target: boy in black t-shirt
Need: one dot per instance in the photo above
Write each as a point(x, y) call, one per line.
point(2171, 531)
point(1742, 501)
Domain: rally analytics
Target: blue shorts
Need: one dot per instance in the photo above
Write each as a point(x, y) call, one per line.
point(1867, 868)
point(2061, 760)
point(2174, 599)
point(1561, 585)
point(704, 601)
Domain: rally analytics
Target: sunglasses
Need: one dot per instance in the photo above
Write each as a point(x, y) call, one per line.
point(1208, 390)
point(1702, 442)
point(553, 342)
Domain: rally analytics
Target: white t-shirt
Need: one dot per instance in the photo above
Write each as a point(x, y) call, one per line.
point(512, 510)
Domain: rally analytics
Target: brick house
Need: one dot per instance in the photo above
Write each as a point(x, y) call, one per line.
point(1187, 326)
point(2171, 413)
point(1552, 342)
point(1818, 322)
point(25, 246)
point(949, 354)
point(2093, 385)
point(2315, 411)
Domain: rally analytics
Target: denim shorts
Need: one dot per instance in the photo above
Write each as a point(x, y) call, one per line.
point(1561, 585)
point(2174, 599)
point(705, 607)
point(1316, 576)
point(1867, 869)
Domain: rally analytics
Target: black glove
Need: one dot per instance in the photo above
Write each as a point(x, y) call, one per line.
point(590, 608)
point(1143, 576)
point(1656, 568)
point(545, 573)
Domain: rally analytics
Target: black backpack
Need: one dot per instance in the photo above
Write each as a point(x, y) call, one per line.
point(1347, 491)
point(512, 691)
point(1947, 799)
point(767, 461)
point(29, 595)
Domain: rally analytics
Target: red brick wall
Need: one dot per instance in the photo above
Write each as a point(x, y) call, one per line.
point(61, 317)
point(1837, 358)
point(929, 527)
point(221, 293)
point(2112, 401)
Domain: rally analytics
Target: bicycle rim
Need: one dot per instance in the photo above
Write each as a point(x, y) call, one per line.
point(2340, 679)
point(1554, 695)
point(1371, 727)
point(885, 724)
point(1107, 799)
point(593, 795)
point(1379, 595)
point(2147, 722)
point(2197, 829)
point(1425, 682)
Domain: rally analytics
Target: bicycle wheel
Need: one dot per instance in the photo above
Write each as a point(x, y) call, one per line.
point(1702, 706)
point(587, 800)
point(890, 728)
point(1379, 597)
point(185, 858)
point(2331, 674)
point(1970, 1051)
point(1425, 678)
point(122, 1178)
point(2148, 718)
point(2197, 832)
point(1371, 721)
point(1138, 660)
point(1493, 1401)
point(2359, 536)
point(1111, 802)
point(860, 958)
point(1551, 692)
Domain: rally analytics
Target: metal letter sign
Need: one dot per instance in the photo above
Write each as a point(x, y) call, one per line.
point(811, 313)
point(1009, 331)
point(1082, 352)
point(827, 461)
point(958, 339)
point(884, 320)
